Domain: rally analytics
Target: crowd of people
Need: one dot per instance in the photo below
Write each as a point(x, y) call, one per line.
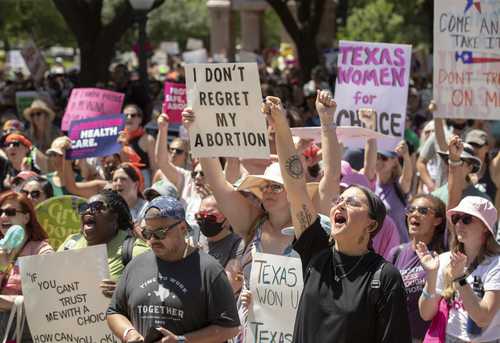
point(396, 246)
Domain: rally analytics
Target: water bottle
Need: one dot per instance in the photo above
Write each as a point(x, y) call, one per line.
point(13, 239)
point(477, 287)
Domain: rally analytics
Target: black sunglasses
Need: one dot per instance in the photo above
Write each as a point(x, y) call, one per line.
point(133, 115)
point(176, 151)
point(14, 144)
point(158, 233)
point(32, 194)
point(420, 209)
point(194, 174)
point(382, 157)
point(465, 218)
point(93, 207)
point(9, 212)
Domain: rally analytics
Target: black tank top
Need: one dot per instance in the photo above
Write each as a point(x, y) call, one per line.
point(134, 143)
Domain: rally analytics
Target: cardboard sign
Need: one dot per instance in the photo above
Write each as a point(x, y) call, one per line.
point(34, 60)
point(59, 217)
point(226, 99)
point(373, 75)
point(174, 101)
point(90, 103)
point(95, 137)
point(62, 298)
point(276, 283)
point(467, 59)
point(345, 134)
point(196, 56)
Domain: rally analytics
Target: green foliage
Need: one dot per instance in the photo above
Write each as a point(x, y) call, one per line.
point(272, 29)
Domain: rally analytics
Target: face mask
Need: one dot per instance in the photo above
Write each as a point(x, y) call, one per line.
point(210, 228)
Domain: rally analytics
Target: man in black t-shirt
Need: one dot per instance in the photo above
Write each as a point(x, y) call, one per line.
point(176, 289)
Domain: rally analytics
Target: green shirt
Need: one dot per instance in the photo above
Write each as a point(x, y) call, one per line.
point(114, 248)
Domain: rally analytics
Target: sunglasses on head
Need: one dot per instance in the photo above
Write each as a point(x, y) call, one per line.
point(275, 188)
point(9, 212)
point(176, 151)
point(32, 194)
point(420, 209)
point(93, 207)
point(194, 174)
point(160, 233)
point(14, 144)
point(465, 218)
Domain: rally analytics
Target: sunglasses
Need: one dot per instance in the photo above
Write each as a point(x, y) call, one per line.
point(275, 188)
point(133, 115)
point(465, 218)
point(158, 233)
point(93, 207)
point(208, 217)
point(14, 144)
point(176, 151)
point(420, 209)
point(350, 201)
point(9, 212)
point(382, 157)
point(194, 174)
point(477, 146)
point(32, 194)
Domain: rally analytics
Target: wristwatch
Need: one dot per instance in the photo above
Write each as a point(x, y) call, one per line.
point(462, 280)
point(181, 339)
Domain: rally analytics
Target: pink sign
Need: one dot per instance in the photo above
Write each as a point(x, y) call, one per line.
point(91, 102)
point(175, 101)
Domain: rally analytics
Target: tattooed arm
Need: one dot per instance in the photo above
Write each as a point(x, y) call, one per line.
point(292, 169)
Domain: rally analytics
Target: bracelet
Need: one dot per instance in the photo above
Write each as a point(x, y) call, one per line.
point(126, 332)
point(455, 163)
point(462, 280)
point(181, 339)
point(427, 295)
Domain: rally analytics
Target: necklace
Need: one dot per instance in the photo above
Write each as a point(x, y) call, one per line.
point(336, 277)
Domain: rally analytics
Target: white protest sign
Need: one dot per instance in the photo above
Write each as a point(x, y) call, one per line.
point(65, 304)
point(171, 48)
point(276, 283)
point(34, 60)
point(16, 61)
point(196, 56)
point(467, 59)
point(226, 99)
point(345, 134)
point(373, 75)
point(194, 44)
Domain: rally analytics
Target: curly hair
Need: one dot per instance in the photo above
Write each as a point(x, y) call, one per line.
point(118, 205)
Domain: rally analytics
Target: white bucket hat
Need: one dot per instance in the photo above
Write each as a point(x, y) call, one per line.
point(271, 174)
point(480, 208)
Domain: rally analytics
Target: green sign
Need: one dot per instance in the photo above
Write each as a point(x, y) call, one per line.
point(59, 217)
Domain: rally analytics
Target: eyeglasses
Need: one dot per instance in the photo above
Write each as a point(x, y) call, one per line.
point(275, 188)
point(208, 217)
point(32, 194)
point(176, 151)
point(9, 212)
point(465, 218)
point(13, 144)
point(382, 157)
point(94, 207)
point(350, 201)
point(158, 233)
point(194, 174)
point(420, 209)
point(133, 115)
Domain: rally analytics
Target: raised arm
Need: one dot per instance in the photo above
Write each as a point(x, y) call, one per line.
point(495, 174)
point(235, 207)
point(292, 169)
point(438, 128)
point(407, 172)
point(329, 183)
point(457, 171)
point(369, 117)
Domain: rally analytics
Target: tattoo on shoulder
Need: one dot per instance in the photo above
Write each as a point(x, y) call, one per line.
point(304, 217)
point(294, 167)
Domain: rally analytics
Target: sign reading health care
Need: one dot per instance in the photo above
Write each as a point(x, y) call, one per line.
point(90, 103)
point(174, 101)
point(64, 303)
point(373, 75)
point(276, 283)
point(467, 58)
point(226, 99)
point(95, 137)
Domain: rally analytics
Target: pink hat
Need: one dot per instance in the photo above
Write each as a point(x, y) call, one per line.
point(480, 208)
point(352, 177)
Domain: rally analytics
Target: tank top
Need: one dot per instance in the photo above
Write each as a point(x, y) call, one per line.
point(134, 143)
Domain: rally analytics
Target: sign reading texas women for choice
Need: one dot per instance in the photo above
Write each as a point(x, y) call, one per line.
point(373, 75)
point(467, 58)
point(226, 99)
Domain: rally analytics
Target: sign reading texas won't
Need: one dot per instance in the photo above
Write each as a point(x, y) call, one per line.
point(226, 99)
point(373, 75)
point(467, 58)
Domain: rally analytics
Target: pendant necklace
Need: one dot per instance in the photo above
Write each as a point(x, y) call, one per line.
point(336, 277)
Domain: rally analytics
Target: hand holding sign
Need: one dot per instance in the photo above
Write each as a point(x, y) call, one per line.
point(187, 118)
point(326, 107)
point(402, 150)
point(432, 107)
point(369, 117)
point(455, 148)
point(108, 287)
point(163, 121)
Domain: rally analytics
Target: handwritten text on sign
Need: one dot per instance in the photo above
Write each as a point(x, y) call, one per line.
point(65, 304)
point(276, 284)
point(226, 99)
point(89, 103)
point(373, 75)
point(467, 59)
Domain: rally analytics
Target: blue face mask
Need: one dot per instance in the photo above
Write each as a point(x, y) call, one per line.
point(14, 238)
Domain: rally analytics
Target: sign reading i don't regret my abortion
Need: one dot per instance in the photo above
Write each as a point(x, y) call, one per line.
point(226, 99)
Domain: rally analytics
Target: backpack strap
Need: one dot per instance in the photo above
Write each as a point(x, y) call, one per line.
point(375, 292)
point(128, 248)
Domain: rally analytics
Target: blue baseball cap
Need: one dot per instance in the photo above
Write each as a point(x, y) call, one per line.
point(167, 207)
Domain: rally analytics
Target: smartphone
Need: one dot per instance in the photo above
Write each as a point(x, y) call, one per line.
point(153, 335)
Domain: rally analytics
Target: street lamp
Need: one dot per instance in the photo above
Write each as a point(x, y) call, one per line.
point(141, 9)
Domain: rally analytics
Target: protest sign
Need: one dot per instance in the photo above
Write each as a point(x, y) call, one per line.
point(467, 59)
point(171, 48)
point(373, 75)
point(195, 56)
point(16, 61)
point(226, 98)
point(34, 60)
point(59, 217)
point(345, 134)
point(90, 103)
point(276, 284)
point(174, 101)
point(94, 137)
point(194, 44)
point(62, 298)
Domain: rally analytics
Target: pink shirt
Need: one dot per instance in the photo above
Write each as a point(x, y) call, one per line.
point(387, 238)
point(13, 285)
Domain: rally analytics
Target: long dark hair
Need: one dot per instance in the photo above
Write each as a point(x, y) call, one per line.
point(118, 205)
point(437, 242)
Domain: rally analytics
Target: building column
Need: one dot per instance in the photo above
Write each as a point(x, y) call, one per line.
point(251, 30)
point(221, 40)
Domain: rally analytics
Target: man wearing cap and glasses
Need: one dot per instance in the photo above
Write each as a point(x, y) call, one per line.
point(175, 289)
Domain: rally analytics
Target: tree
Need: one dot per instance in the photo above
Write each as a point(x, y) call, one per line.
point(95, 37)
point(303, 28)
